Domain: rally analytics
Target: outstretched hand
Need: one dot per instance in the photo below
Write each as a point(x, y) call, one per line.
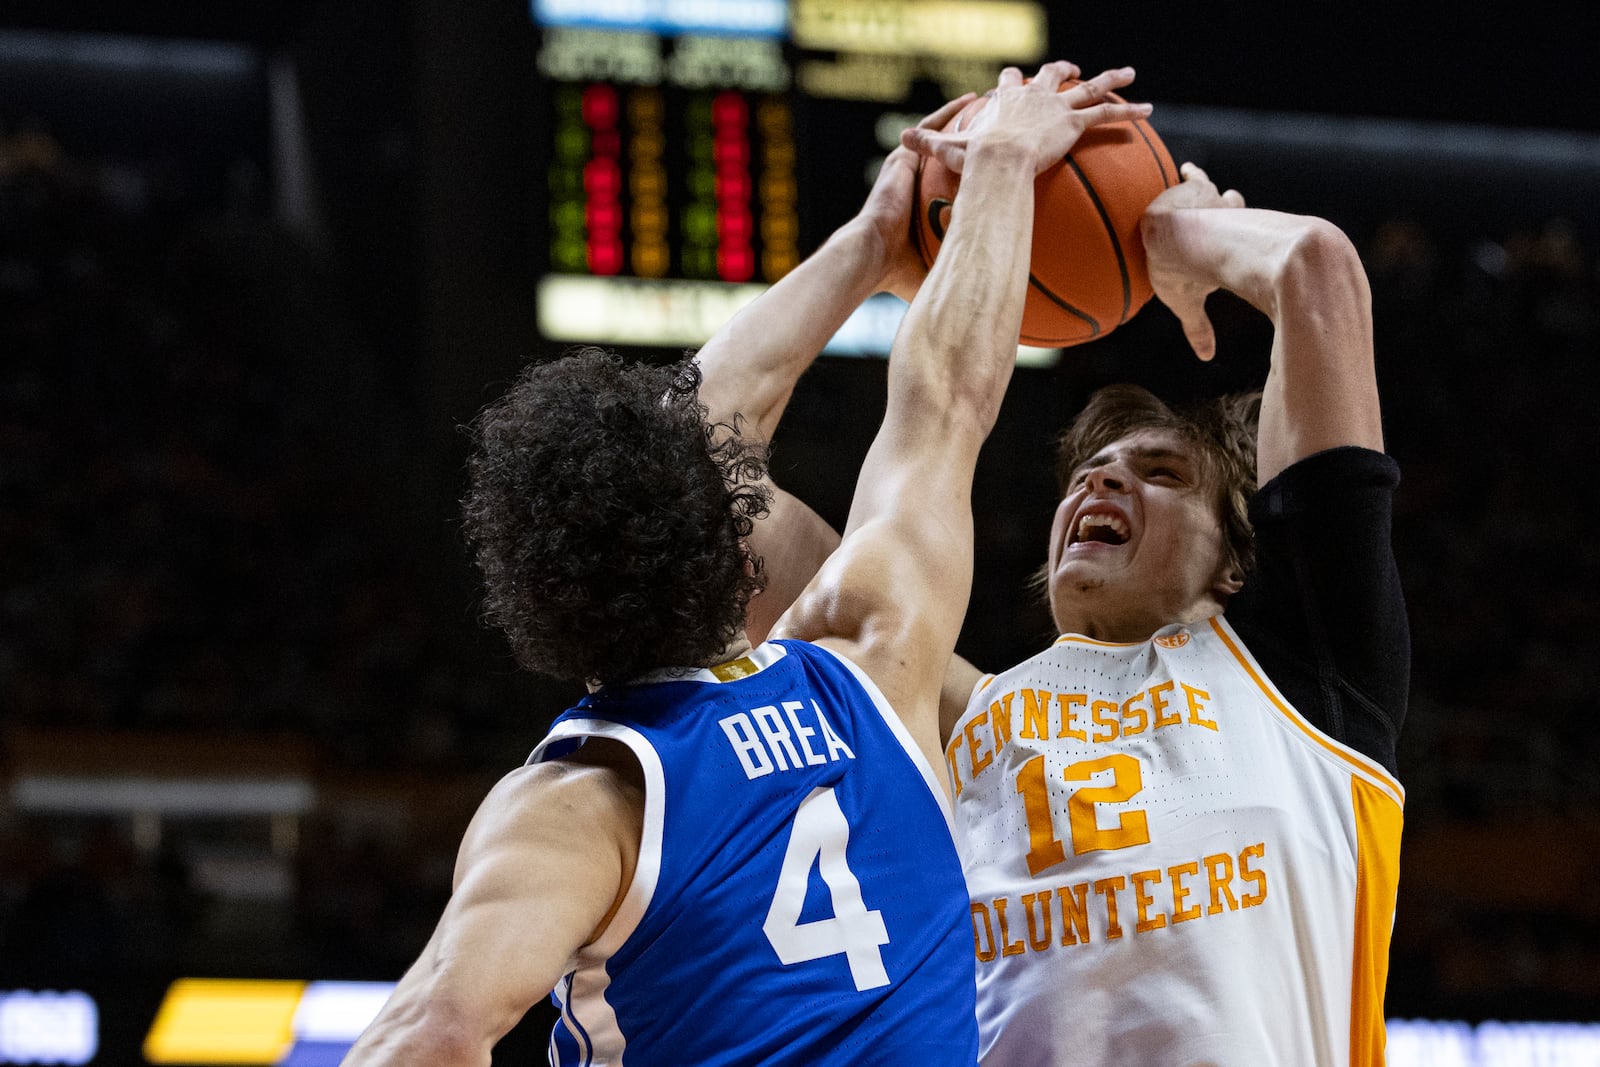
point(1174, 234)
point(1034, 113)
point(890, 206)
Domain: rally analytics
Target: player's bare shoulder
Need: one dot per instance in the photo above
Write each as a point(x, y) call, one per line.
point(589, 803)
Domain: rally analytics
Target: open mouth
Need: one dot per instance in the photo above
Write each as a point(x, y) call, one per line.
point(1100, 527)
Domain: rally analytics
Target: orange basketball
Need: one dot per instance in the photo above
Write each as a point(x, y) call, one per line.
point(1087, 274)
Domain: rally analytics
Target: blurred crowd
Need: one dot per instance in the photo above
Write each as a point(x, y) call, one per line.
point(203, 479)
point(201, 531)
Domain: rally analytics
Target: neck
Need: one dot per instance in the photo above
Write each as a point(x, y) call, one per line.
point(735, 648)
point(1127, 627)
point(732, 650)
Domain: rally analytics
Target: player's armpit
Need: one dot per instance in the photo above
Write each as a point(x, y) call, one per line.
point(890, 599)
point(960, 679)
point(541, 869)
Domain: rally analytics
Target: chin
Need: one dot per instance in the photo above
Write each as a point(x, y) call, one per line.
point(1065, 589)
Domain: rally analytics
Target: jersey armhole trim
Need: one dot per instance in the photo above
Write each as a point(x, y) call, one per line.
point(647, 871)
point(892, 720)
point(1367, 767)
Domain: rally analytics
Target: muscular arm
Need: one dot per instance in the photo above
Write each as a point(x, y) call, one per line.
point(1324, 608)
point(893, 597)
point(541, 870)
point(1303, 274)
point(751, 365)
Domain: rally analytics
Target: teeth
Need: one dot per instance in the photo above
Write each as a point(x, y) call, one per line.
point(1101, 519)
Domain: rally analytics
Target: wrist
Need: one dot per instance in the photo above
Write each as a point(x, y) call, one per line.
point(863, 251)
point(1318, 265)
point(1002, 150)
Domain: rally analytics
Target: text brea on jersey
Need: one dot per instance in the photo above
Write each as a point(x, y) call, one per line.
point(767, 740)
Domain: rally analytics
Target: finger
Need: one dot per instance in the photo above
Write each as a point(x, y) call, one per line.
point(1103, 113)
point(1010, 78)
point(900, 156)
point(1051, 75)
point(946, 148)
point(1095, 89)
point(917, 139)
point(1196, 179)
point(1201, 337)
point(1233, 198)
point(941, 118)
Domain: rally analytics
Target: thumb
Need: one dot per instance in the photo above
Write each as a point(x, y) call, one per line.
point(946, 149)
point(1198, 331)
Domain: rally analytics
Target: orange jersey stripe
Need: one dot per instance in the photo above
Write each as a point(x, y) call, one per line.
point(1378, 824)
point(1366, 766)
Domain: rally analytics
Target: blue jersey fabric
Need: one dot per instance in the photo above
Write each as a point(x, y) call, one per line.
point(798, 898)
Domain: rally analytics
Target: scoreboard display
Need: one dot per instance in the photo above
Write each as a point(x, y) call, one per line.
point(694, 151)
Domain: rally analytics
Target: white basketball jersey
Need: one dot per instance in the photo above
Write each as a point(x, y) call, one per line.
point(1168, 864)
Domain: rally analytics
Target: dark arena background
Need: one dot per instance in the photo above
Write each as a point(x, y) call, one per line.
point(258, 263)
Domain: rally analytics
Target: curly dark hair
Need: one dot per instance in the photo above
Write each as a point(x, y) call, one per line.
point(1222, 430)
point(609, 518)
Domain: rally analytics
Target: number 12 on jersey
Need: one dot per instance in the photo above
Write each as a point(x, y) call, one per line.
point(819, 837)
point(1045, 848)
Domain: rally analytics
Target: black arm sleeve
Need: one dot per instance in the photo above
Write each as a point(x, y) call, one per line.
point(1323, 610)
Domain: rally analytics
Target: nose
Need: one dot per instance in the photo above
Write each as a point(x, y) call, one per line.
point(1106, 479)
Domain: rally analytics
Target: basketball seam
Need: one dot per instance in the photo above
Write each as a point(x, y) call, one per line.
point(1160, 164)
point(916, 193)
point(1111, 232)
point(1094, 325)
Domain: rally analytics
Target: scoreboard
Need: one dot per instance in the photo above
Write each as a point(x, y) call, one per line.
point(692, 152)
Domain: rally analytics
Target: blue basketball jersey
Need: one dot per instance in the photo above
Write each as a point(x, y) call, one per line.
point(798, 898)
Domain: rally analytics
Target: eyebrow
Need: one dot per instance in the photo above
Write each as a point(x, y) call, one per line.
point(1145, 453)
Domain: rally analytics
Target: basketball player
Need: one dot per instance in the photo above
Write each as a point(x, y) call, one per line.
point(728, 854)
point(1180, 822)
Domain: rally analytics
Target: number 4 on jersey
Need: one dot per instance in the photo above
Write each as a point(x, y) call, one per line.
point(819, 836)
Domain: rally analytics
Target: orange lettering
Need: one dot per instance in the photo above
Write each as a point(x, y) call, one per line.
point(950, 757)
point(1104, 713)
point(1180, 892)
point(1197, 699)
point(1142, 901)
point(1158, 704)
point(1036, 940)
point(1219, 873)
point(1069, 717)
point(1035, 713)
point(1074, 913)
point(1007, 946)
point(1131, 709)
point(985, 955)
point(979, 762)
point(1108, 887)
point(1250, 900)
point(1000, 719)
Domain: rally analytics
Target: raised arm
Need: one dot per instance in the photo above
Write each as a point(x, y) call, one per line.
point(893, 596)
point(750, 366)
point(1303, 274)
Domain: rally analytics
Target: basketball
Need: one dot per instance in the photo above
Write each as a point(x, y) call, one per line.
point(1088, 274)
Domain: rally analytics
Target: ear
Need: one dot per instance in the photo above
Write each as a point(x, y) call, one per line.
point(1228, 582)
